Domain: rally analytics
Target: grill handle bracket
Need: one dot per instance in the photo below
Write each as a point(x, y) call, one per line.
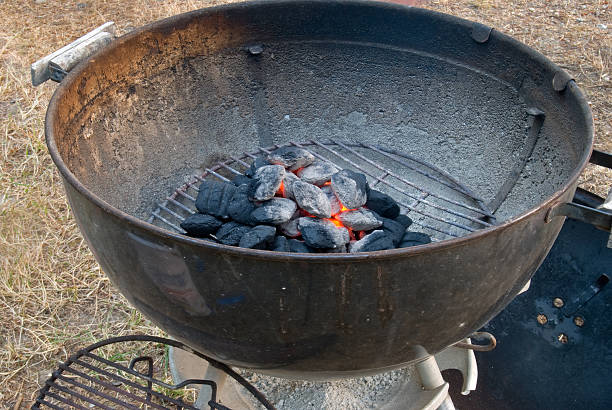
point(600, 217)
point(56, 65)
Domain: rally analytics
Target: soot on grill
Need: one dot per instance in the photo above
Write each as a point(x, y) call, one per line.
point(288, 201)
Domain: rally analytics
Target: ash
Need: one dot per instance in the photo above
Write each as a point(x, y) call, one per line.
point(368, 392)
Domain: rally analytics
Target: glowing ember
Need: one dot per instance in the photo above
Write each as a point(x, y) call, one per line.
point(281, 190)
point(336, 222)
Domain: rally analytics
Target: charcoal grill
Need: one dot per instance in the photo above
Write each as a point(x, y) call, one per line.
point(488, 139)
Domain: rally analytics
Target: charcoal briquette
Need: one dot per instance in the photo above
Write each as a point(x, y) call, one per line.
point(240, 206)
point(404, 220)
point(298, 246)
point(382, 204)
point(200, 225)
point(311, 199)
point(291, 158)
point(258, 237)
point(394, 229)
point(280, 244)
point(230, 233)
point(376, 241)
point(318, 173)
point(361, 219)
point(350, 188)
point(267, 181)
point(214, 198)
point(322, 233)
point(413, 239)
point(336, 206)
point(275, 211)
point(288, 182)
point(241, 180)
point(290, 228)
point(257, 163)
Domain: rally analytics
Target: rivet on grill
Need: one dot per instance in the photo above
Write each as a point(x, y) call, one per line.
point(579, 321)
point(558, 303)
point(542, 319)
point(255, 49)
point(562, 338)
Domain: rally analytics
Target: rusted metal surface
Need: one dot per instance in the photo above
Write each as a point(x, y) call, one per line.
point(298, 315)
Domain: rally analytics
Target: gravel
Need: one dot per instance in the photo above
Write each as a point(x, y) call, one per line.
point(368, 392)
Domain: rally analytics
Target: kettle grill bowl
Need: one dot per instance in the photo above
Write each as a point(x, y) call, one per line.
point(126, 127)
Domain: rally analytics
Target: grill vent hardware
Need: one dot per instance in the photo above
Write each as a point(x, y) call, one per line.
point(438, 204)
point(88, 380)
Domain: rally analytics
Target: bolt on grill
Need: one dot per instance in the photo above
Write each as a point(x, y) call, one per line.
point(438, 204)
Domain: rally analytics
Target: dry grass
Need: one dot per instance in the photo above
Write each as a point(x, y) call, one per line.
point(52, 292)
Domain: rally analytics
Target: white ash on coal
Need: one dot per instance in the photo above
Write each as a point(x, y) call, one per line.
point(350, 188)
point(322, 233)
point(266, 182)
point(292, 158)
point(291, 202)
point(318, 173)
point(287, 187)
point(336, 205)
point(290, 228)
point(275, 211)
point(361, 219)
point(311, 199)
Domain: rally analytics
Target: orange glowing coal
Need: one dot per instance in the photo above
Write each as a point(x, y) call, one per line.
point(336, 222)
point(281, 190)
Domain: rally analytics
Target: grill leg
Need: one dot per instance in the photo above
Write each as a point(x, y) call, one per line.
point(204, 396)
point(431, 378)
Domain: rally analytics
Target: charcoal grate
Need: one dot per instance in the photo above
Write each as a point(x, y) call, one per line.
point(88, 380)
point(439, 205)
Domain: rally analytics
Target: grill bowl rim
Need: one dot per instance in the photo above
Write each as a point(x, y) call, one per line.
point(168, 23)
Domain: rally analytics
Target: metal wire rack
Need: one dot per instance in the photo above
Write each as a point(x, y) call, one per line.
point(88, 380)
point(438, 204)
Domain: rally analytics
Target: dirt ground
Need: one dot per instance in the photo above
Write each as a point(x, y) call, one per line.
point(53, 295)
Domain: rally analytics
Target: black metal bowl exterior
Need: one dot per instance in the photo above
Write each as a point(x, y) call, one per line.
point(312, 316)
